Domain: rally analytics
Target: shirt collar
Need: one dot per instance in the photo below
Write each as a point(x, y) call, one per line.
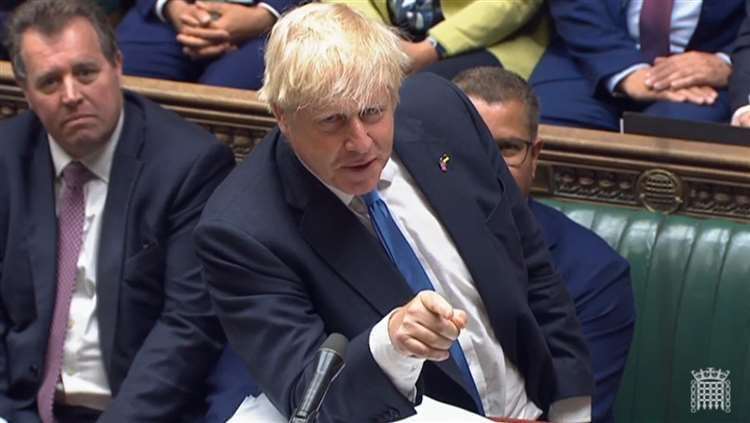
point(386, 178)
point(99, 162)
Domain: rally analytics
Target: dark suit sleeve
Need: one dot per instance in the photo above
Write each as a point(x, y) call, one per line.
point(168, 372)
point(5, 402)
point(596, 37)
point(145, 7)
point(270, 319)
point(608, 321)
point(739, 84)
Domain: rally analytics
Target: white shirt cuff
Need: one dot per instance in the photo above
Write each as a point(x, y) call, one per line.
point(739, 112)
point(571, 410)
point(725, 57)
point(615, 80)
point(159, 9)
point(2, 420)
point(270, 9)
point(402, 370)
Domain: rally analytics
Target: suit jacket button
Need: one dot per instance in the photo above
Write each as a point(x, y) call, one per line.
point(34, 369)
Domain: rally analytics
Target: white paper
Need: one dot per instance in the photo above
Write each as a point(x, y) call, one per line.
point(259, 409)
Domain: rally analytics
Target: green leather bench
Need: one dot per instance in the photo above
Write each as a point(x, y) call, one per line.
point(690, 357)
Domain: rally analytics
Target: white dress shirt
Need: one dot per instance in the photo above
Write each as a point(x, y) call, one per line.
point(501, 386)
point(83, 377)
point(685, 17)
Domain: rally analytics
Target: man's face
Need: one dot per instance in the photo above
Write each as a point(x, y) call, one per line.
point(72, 87)
point(508, 123)
point(346, 150)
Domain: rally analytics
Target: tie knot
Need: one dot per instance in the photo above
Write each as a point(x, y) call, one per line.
point(76, 174)
point(370, 198)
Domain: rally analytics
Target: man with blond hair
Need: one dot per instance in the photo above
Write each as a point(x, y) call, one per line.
point(400, 228)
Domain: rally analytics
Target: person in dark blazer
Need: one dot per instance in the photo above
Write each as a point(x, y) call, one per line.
point(739, 84)
point(596, 276)
point(5, 8)
point(214, 43)
point(103, 312)
point(661, 58)
point(290, 252)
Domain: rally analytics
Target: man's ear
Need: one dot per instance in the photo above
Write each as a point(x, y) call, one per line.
point(282, 119)
point(22, 85)
point(118, 62)
point(536, 149)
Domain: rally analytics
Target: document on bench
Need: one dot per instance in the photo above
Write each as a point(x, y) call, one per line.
point(260, 409)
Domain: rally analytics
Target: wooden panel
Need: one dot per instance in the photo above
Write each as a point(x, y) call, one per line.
point(666, 175)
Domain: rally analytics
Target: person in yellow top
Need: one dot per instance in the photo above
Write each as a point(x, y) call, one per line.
point(448, 36)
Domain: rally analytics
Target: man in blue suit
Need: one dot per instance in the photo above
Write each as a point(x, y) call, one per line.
point(400, 228)
point(103, 313)
point(664, 58)
point(214, 43)
point(597, 277)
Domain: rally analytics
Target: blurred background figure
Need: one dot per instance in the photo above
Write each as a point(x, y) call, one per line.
point(211, 42)
point(660, 57)
point(448, 36)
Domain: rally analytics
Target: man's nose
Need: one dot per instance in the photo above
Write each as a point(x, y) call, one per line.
point(359, 140)
point(71, 92)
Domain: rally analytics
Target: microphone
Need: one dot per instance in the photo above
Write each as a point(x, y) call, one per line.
point(328, 364)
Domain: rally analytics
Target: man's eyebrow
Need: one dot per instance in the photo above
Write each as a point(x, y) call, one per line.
point(512, 139)
point(47, 75)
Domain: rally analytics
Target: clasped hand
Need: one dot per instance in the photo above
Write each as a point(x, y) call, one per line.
point(208, 30)
point(426, 327)
point(692, 77)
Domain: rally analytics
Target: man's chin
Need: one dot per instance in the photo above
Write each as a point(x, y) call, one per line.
point(359, 188)
point(81, 144)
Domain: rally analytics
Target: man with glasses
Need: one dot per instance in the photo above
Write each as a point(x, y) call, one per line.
point(596, 276)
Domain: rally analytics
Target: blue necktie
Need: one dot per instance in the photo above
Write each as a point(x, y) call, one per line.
point(403, 257)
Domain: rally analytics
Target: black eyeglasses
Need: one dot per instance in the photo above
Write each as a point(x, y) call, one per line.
point(514, 150)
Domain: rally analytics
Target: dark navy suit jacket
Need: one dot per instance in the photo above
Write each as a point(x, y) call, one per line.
point(288, 263)
point(598, 279)
point(595, 34)
point(158, 336)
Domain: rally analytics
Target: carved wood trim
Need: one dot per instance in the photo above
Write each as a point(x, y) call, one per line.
point(666, 175)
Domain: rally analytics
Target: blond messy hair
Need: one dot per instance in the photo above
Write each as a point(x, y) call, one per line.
point(325, 56)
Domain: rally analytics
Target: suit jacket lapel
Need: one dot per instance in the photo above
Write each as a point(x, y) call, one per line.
point(126, 168)
point(339, 237)
point(42, 239)
point(466, 225)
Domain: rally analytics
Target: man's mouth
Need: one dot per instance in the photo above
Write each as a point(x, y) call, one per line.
point(361, 164)
point(77, 118)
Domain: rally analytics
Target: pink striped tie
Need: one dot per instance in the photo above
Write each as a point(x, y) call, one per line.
point(71, 213)
point(655, 26)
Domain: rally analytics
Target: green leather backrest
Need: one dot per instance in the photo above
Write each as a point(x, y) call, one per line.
point(691, 279)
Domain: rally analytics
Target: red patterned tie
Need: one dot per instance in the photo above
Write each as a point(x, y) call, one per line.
point(71, 213)
point(655, 25)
